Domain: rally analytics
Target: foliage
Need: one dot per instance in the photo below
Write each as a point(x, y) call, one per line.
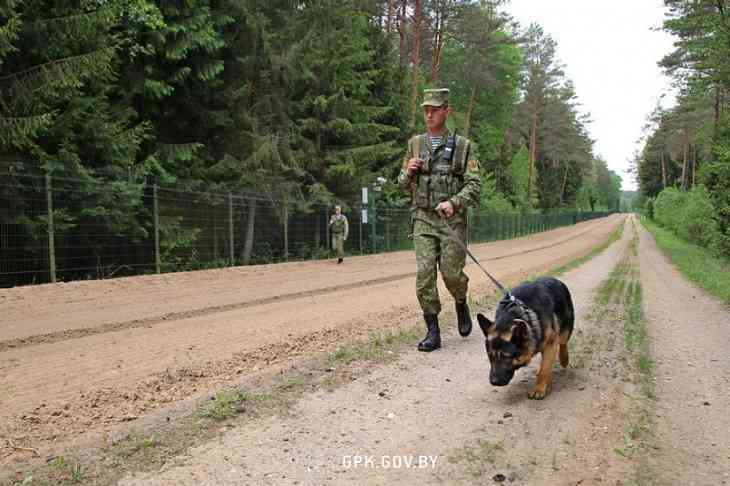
point(306, 101)
point(715, 176)
point(686, 146)
point(689, 214)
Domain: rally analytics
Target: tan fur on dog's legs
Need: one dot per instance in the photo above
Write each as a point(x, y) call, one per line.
point(564, 356)
point(545, 375)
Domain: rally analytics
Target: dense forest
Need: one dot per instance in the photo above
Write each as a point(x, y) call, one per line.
point(311, 98)
point(296, 101)
point(684, 168)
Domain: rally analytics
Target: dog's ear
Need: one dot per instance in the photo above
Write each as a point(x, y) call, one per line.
point(520, 331)
point(484, 323)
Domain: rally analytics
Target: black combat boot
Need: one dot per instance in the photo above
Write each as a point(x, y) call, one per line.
point(464, 319)
point(339, 260)
point(433, 336)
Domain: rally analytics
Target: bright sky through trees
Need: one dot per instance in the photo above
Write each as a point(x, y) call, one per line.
point(610, 52)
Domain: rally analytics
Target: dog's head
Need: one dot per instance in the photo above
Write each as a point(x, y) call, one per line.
point(508, 344)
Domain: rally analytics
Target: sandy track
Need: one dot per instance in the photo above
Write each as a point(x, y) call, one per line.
point(689, 333)
point(439, 405)
point(70, 385)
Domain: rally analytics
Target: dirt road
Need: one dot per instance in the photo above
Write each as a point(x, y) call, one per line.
point(433, 419)
point(440, 407)
point(82, 356)
point(690, 335)
point(159, 342)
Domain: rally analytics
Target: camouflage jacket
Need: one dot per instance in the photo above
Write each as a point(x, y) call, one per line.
point(458, 181)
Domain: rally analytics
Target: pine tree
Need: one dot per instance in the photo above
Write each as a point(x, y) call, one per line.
point(346, 123)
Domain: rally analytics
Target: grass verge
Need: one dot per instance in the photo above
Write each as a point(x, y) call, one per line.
point(696, 263)
point(621, 292)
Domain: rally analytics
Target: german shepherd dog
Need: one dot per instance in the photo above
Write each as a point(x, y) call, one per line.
point(536, 317)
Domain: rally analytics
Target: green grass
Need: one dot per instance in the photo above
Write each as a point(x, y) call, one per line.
point(621, 292)
point(696, 263)
point(135, 443)
point(67, 472)
point(227, 404)
point(378, 347)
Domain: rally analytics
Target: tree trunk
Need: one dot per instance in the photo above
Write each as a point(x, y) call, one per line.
point(565, 182)
point(437, 47)
point(685, 158)
point(317, 232)
point(532, 156)
point(664, 169)
point(717, 111)
point(250, 225)
point(402, 19)
point(694, 165)
point(415, 59)
point(470, 110)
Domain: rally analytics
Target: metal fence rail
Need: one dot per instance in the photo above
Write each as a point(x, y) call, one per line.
point(67, 229)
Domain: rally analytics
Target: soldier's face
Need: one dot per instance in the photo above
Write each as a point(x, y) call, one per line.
point(435, 117)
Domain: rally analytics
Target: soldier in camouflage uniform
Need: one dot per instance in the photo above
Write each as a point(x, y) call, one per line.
point(442, 176)
point(339, 229)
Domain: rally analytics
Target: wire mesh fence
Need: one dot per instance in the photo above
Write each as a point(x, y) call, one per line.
point(54, 228)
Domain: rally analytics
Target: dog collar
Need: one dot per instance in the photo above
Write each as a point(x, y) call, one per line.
point(533, 322)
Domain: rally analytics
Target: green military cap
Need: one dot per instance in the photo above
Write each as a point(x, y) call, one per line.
point(435, 97)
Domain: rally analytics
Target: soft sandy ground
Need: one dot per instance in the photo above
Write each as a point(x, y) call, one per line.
point(87, 356)
point(433, 418)
point(438, 406)
point(83, 358)
point(690, 335)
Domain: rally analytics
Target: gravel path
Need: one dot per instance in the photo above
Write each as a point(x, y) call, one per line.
point(690, 334)
point(439, 412)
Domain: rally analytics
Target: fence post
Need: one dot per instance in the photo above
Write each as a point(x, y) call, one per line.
point(156, 212)
point(387, 232)
point(230, 229)
point(374, 246)
point(360, 230)
point(327, 232)
point(51, 232)
point(286, 228)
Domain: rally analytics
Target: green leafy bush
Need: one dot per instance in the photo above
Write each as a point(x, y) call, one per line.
point(649, 207)
point(690, 215)
point(668, 206)
point(716, 176)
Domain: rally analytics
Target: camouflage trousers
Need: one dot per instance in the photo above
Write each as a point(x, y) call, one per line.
point(434, 250)
point(338, 244)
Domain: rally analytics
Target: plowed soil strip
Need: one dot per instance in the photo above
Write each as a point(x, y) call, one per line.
point(86, 310)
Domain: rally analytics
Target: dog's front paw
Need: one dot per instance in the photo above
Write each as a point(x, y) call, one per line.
point(538, 393)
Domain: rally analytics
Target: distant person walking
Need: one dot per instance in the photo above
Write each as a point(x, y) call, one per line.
point(442, 175)
point(339, 229)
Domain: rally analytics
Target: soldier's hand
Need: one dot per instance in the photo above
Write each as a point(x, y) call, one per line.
point(445, 209)
point(414, 165)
